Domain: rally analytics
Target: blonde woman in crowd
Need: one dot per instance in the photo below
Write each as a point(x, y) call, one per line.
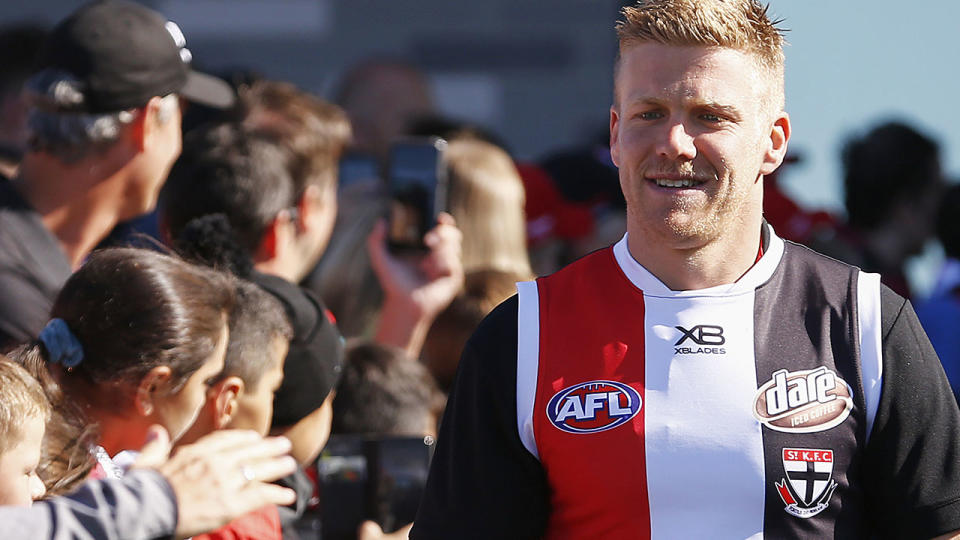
point(486, 198)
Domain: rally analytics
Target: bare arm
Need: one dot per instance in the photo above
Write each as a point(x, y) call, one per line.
point(416, 290)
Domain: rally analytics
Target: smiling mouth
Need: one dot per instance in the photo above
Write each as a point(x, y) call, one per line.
point(677, 183)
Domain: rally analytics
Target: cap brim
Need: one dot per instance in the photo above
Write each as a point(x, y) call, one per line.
point(208, 90)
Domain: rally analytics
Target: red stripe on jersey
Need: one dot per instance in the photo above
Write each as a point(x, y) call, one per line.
point(785, 493)
point(592, 329)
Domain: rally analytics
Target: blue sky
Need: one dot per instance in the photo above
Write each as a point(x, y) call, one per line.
point(851, 64)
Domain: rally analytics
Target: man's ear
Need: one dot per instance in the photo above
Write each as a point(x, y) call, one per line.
point(314, 201)
point(614, 135)
point(144, 125)
point(777, 147)
point(272, 237)
point(154, 382)
point(226, 394)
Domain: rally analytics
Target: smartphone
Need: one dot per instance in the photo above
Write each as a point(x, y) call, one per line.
point(417, 183)
point(375, 478)
point(342, 478)
point(399, 478)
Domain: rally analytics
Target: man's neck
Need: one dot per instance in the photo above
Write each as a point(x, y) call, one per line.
point(76, 205)
point(681, 266)
point(274, 267)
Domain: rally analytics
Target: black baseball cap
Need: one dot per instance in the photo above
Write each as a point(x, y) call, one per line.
point(123, 54)
point(315, 358)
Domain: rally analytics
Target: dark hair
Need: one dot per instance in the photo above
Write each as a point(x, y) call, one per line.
point(891, 163)
point(948, 221)
point(133, 310)
point(256, 320)
point(209, 240)
point(257, 317)
point(229, 170)
point(383, 392)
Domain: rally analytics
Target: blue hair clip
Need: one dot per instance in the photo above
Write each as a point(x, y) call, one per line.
point(62, 346)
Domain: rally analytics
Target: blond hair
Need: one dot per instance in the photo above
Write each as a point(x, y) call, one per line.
point(742, 25)
point(486, 197)
point(22, 397)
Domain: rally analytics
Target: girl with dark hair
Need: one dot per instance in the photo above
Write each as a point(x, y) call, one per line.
point(134, 339)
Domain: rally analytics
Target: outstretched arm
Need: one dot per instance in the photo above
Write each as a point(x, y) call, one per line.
point(202, 487)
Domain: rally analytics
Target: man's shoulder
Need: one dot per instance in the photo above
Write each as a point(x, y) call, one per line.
point(801, 255)
point(825, 273)
point(25, 242)
point(491, 352)
point(499, 325)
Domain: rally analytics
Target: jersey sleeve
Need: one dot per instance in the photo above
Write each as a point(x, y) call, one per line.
point(483, 483)
point(911, 468)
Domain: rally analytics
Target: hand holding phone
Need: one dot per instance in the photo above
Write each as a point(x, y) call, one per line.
point(417, 182)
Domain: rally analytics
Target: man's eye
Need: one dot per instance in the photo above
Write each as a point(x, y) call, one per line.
point(712, 118)
point(649, 115)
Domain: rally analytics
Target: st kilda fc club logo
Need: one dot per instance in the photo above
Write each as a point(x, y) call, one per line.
point(594, 406)
point(809, 482)
point(804, 401)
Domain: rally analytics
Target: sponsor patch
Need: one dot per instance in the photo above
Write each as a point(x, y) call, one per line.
point(803, 401)
point(809, 482)
point(593, 406)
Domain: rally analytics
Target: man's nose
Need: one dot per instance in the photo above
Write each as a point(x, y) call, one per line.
point(676, 143)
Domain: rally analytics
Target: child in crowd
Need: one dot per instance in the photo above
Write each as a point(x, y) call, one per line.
point(24, 411)
point(383, 392)
point(302, 407)
point(241, 397)
point(135, 339)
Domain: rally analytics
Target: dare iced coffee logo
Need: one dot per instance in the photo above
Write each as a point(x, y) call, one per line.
point(803, 401)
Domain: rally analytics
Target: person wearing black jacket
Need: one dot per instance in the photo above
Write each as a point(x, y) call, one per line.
point(102, 138)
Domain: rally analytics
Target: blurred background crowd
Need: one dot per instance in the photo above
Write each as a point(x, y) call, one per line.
point(281, 188)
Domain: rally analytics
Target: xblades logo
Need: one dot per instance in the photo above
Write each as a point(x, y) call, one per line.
point(708, 336)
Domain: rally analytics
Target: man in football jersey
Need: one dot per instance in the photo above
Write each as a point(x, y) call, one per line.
point(701, 378)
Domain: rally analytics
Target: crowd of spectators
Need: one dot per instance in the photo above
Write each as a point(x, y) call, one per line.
point(268, 300)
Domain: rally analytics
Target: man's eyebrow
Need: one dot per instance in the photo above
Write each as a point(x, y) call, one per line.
point(726, 110)
point(642, 100)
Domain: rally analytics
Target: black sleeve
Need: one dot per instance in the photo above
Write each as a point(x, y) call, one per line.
point(483, 483)
point(912, 461)
point(24, 310)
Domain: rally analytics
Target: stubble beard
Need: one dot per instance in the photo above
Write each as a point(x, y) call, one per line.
point(689, 220)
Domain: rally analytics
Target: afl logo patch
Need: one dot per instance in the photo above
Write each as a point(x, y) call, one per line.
point(803, 401)
point(593, 406)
